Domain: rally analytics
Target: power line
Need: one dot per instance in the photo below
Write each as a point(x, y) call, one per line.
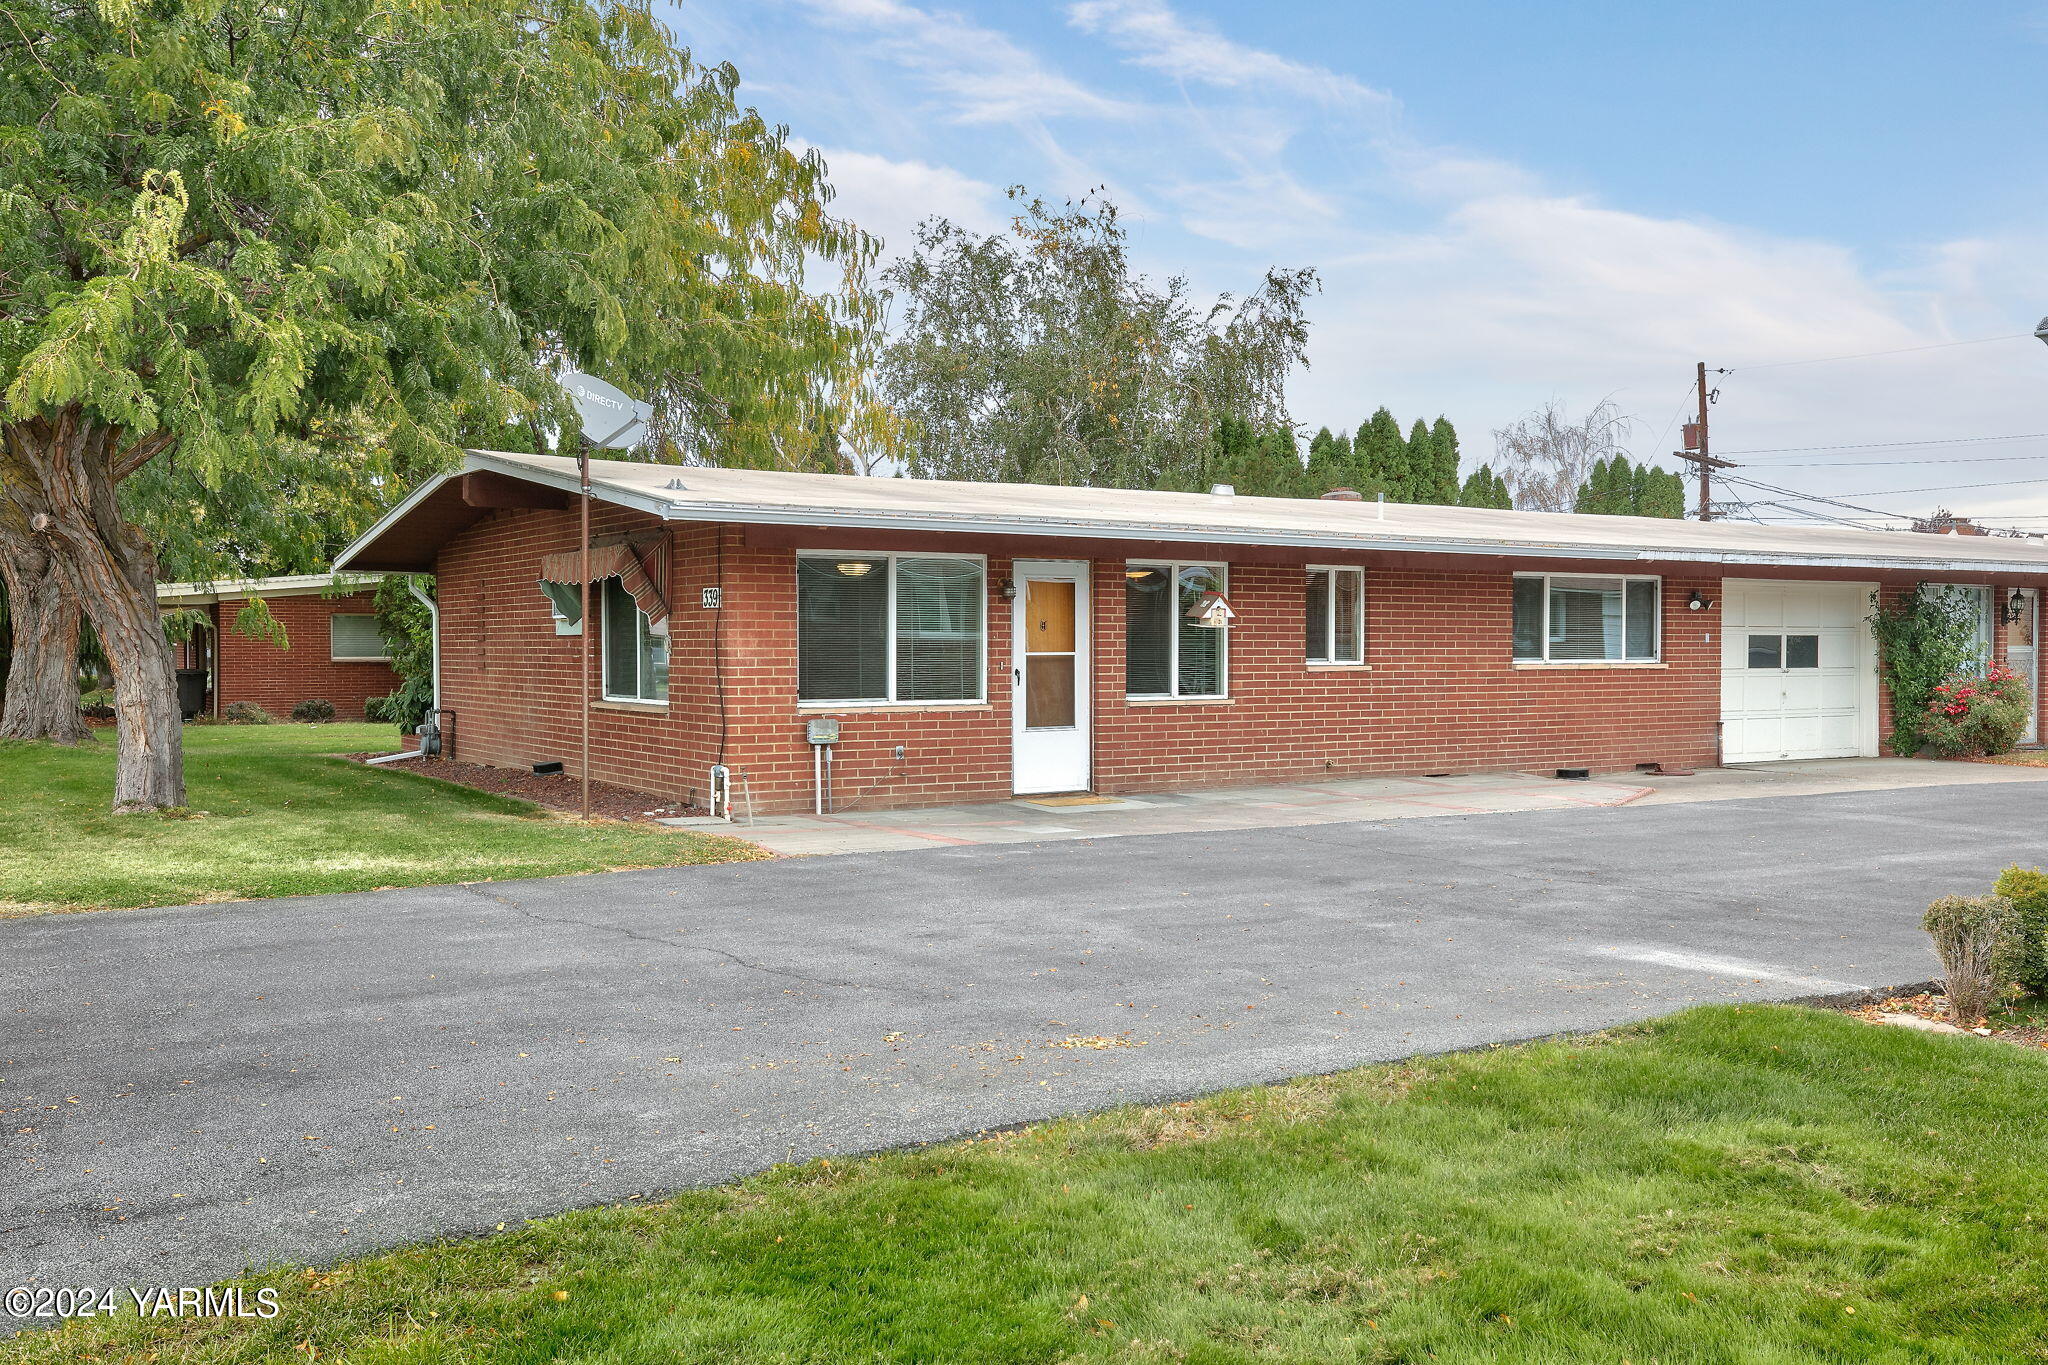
point(1891, 445)
point(1884, 464)
point(1870, 355)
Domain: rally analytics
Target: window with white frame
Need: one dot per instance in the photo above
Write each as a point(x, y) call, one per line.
point(1336, 615)
point(635, 648)
point(885, 628)
point(1166, 653)
point(357, 640)
point(1585, 618)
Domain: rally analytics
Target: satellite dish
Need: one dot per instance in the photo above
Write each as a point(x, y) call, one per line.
point(611, 421)
point(2042, 330)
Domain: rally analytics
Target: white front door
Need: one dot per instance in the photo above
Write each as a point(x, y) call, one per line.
point(2023, 657)
point(1798, 670)
point(1049, 698)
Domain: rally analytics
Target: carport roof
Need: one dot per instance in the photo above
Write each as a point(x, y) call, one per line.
point(409, 535)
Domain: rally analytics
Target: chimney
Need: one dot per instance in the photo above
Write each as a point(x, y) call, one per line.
point(1343, 495)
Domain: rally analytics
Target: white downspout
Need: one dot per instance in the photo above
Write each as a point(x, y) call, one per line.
point(434, 652)
point(434, 633)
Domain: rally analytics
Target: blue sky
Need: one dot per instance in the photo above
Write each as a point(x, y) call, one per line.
point(1510, 203)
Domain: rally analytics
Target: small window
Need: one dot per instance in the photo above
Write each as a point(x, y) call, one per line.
point(357, 640)
point(1802, 651)
point(882, 628)
point(635, 649)
point(1766, 651)
point(565, 602)
point(1972, 602)
point(1573, 618)
point(1336, 616)
point(1166, 654)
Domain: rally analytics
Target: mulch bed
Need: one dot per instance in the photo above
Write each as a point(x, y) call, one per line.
point(1929, 1005)
point(556, 791)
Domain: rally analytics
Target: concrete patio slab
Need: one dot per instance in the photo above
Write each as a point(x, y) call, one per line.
point(1270, 806)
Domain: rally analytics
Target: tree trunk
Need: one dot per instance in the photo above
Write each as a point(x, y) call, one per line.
point(61, 471)
point(42, 678)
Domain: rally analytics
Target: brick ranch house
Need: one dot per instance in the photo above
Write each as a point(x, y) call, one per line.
point(975, 641)
point(333, 649)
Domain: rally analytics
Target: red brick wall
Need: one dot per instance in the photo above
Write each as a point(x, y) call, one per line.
point(277, 679)
point(1441, 692)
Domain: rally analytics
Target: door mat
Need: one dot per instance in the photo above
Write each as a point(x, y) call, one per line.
point(1071, 800)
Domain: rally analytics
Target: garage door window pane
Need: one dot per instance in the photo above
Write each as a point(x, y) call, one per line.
point(1765, 651)
point(1802, 651)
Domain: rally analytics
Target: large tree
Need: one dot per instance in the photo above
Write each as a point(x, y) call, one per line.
point(1379, 458)
point(1547, 454)
point(229, 227)
point(1039, 355)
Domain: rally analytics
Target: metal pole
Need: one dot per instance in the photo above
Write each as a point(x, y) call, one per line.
point(1706, 456)
point(583, 594)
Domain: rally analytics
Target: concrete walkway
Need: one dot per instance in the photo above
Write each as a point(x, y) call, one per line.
point(1030, 820)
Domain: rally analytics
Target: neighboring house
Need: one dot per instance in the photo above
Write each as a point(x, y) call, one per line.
point(978, 640)
point(333, 649)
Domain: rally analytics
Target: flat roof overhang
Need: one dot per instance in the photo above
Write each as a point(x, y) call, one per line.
point(409, 536)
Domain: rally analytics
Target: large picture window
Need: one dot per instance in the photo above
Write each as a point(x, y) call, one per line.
point(1336, 616)
point(1165, 653)
point(883, 628)
point(635, 649)
point(1575, 618)
point(1972, 602)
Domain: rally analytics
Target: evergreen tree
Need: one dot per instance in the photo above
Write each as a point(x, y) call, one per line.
point(1444, 444)
point(1379, 458)
point(1484, 488)
point(1420, 449)
point(1281, 474)
point(1615, 487)
point(1329, 462)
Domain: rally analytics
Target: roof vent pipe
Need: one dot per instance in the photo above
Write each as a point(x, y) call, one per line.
point(1343, 495)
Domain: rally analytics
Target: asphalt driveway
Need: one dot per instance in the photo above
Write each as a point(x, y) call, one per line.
point(187, 1091)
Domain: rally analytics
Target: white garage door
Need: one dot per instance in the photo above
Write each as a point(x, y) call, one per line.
point(1798, 670)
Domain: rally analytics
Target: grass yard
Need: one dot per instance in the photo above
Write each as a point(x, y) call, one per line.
point(1732, 1184)
point(270, 816)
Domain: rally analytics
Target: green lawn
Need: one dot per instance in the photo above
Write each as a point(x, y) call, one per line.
point(1738, 1184)
point(270, 816)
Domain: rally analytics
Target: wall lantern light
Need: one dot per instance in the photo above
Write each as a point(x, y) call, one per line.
point(2015, 608)
point(1007, 590)
point(1695, 602)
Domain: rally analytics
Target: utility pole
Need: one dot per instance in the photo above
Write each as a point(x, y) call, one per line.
point(1695, 451)
point(583, 594)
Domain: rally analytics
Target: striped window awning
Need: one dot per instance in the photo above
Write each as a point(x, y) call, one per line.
point(610, 561)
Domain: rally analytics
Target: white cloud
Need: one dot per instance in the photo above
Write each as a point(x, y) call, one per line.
point(979, 73)
point(1159, 38)
point(890, 198)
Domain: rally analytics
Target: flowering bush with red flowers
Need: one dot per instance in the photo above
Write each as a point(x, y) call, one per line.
point(1977, 713)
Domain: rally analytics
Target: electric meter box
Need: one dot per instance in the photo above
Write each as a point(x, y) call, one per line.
point(822, 730)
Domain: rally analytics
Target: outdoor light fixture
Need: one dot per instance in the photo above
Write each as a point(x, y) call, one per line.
point(1007, 590)
point(2015, 605)
point(853, 568)
point(1695, 602)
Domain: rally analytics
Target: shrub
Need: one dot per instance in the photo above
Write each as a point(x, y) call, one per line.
point(1923, 638)
point(2027, 889)
point(1980, 713)
point(313, 710)
point(246, 713)
point(1978, 941)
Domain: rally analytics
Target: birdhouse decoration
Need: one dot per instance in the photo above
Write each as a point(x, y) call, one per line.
point(1213, 612)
